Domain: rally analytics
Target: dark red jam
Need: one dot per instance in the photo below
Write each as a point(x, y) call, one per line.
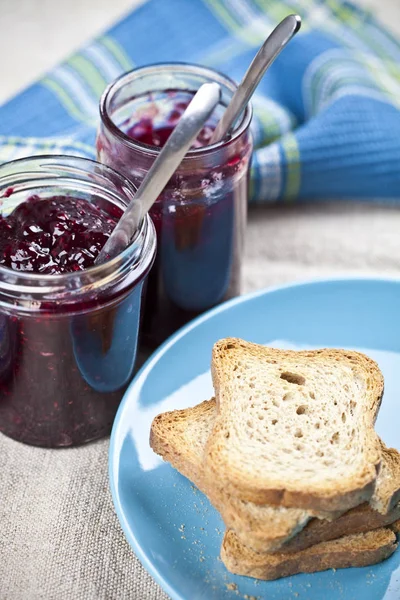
point(155, 133)
point(199, 217)
point(54, 235)
point(64, 365)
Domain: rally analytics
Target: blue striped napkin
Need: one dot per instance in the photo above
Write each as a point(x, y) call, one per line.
point(327, 113)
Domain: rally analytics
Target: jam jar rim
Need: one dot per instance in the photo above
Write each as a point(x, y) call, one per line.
point(153, 150)
point(130, 258)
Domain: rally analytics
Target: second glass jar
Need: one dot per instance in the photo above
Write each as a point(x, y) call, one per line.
point(201, 215)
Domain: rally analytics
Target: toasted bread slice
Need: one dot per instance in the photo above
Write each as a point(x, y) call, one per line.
point(359, 519)
point(180, 437)
point(357, 550)
point(294, 428)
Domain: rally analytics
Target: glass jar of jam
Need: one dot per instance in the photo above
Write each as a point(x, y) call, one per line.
point(201, 215)
point(68, 328)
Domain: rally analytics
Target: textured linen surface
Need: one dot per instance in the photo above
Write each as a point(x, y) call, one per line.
point(60, 538)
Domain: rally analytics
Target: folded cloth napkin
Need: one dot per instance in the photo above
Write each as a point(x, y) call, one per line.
point(327, 113)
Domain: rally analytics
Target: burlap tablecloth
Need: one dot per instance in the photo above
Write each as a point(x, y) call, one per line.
point(60, 537)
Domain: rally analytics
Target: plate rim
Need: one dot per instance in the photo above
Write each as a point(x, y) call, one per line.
point(158, 353)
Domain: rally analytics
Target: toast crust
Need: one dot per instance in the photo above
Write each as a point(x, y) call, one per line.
point(357, 550)
point(357, 520)
point(228, 463)
point(387, 495)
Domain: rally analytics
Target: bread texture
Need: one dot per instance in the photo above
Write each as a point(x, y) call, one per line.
point(357, 550)
point(294, 428)
point(180, 437)
point(395, 527)
point(387, 490)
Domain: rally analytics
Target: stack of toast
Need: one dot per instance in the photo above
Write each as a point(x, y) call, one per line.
point(288, 454)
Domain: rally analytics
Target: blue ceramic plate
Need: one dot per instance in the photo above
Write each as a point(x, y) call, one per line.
point(170, 525)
